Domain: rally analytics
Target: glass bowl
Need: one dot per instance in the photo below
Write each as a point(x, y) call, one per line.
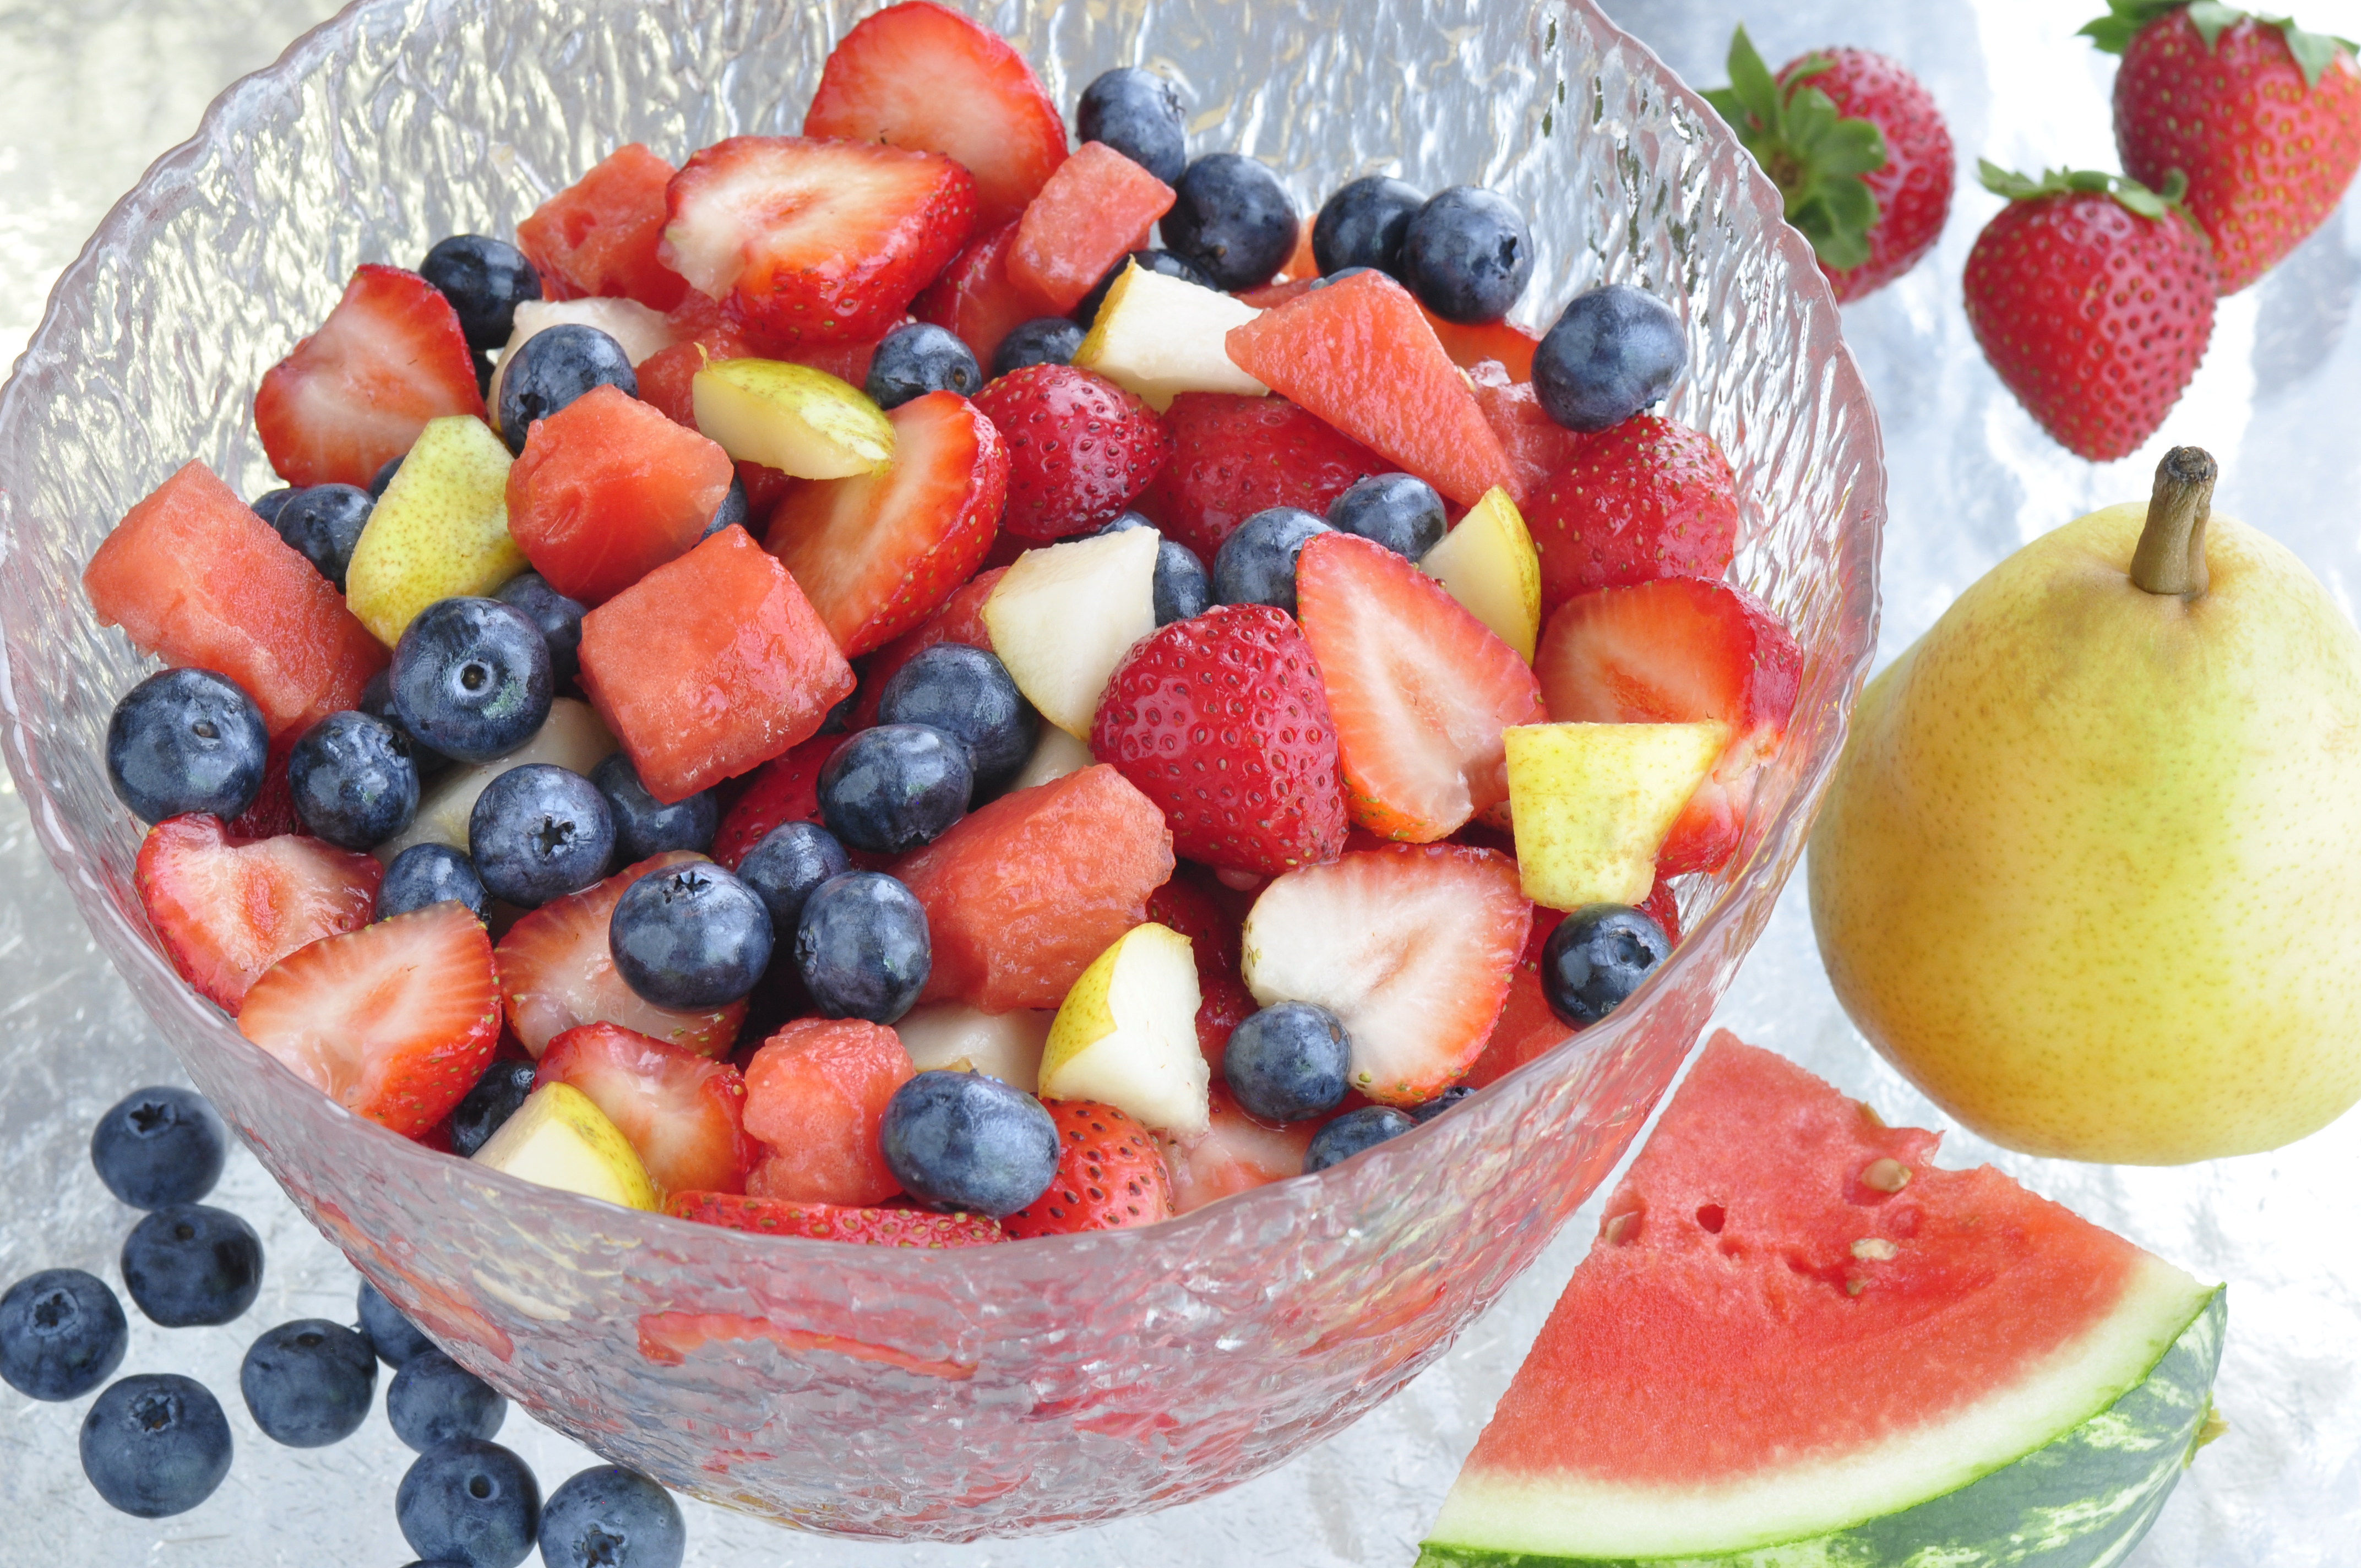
point(871, 1391)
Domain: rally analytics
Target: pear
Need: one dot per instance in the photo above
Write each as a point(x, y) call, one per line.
point(1490, 566)
point(1062, 619)
point(572, 737)
point(793, 417)
point(2088, 873)
point(1055, 755)
point(1127, 1035)
point(639, 331)
point(954, 1035)
point(560, 1138)
point(1591, 804)
point(441, 528)
point(1160, 337)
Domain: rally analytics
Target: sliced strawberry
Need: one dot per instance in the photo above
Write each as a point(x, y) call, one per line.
point(785, 789)
point(1234, 457)
point(1079, 449)
point(1526, 1027)
point(835, 1221)
point(1188, 905)
point(599, 236)
point(355, 393)
point(608, 489)
point(879, 552)
point(815, 241)
point(1234, 1153)
point(273, 811)
point(394, 1022)
point(1649, 498)
point(1663, 906)
point(1537, 446)
point(1096, 210)
point(815, 1096)
point(557, 973)
point(919, 76)
point(1412, 945)
point(1110, 1176)
point(1418, 688)
point(1677, 651)
point(978, 298)
point(961, 620)
point(226, 911)
point(684, 1112)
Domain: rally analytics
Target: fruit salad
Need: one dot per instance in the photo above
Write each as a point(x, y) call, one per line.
point(921, 684)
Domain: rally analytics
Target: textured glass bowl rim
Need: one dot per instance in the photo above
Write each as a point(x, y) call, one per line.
point(1390, 1162)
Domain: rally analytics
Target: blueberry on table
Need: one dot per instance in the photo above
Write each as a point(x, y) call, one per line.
point(645, 825)
point(324, 522)
point(607, 1516)
point(471, 678)
point(540, 832)
point(431, 873)
point(735, 510)
point(559, 618)
point(1287, 1061)
point(188, 1265)
point(1596, 958)
point(552, 367)
point(1443, 1102)
point(186, 741)
point(61, 1334)
point(967, 694)
point(485, 280)
point(433, 1400)
point(1162, 262)
point(1468, 254)
point(159, 1146)
point(691, 937)
point(1139, 114)
point(1362, 224)
point(894, 787)
point(394, 1337)
point(309, 1383)
point(266, 505)
point(1615, 350)
point(792, 860)
point(1045, 340)
point(155, 1444)
point(353, 781)
point(1350, 1133)
point(1232, 219)
point(385, 473)
point(1184, 590)
point(482, 1111)
point(917, 359)
point(1256, 563)
point(470, 1501)
point(862, 948)
point(1399, 512)
point(960, 1141)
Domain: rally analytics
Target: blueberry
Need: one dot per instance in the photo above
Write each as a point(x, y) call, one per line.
point(917, 359)
point(1137, 114)
point(1045, 340)
point(1350, 1133)
point(266, 505)
point(186, 741)
point(353, 781)
point(484, 1110)
point(559, 618)
point(894, 787)
point(1615, 351)
point(1233, 219)
point(540, 832)
point(552, 367)
point(1182, 591)
point(471, 678)
point(862, 948)
point(309, 1383)
point(792, 859)
point(426, 874)
point(962, 1141)
point(61, 1334)
point(394, 1337)
point(385, 473)
point(609, 1517)
point(691, 937)
point(485, 280)
point(1468, 254)
point(965, 693)
point(468, 1501)
point(1362, 224)
point(1596, 958)
point(377, 701)
point(433, 1400)
point(324, 522)
point(1162, 262)
point(1287, 1061)
point(159, 1146)
point(734, 511)
point(187, 1264)
point(645, 825)
point(155, 1444)
point(1256, 563)
point(1399, 512)
point(1443, 1102)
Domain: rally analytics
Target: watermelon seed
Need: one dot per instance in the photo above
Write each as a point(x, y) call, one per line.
point(1875, 1246)
point(1886, 1175)
point(1622, 1230)
point(1855, 1286)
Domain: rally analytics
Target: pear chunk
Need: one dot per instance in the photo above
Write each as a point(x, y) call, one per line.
point(954, 1035)
point(1055, 755)
point(638, 330)
point(560, 1138)
point(1160, 337)
point(1593, 802)
point(440, 531)
point(1127, 1035)
point(1490, 566)
point(1062, 619)
point(793, 417)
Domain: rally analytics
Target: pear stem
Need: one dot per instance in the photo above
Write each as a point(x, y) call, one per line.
point(2170, 559)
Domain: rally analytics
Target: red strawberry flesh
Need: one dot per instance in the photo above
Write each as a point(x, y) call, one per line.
point(684, 1113)
point(228, 910)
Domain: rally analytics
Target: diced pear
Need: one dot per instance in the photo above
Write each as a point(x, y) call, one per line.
point(954, 1035)
point(1062, 619)
point(1160, 337)
point(572, 737)
point(441, 528)
point(560, 1138)
point(793, 417)
point(1593, 802)
point(1055, 755)
point(1490, 566)
point(1127, 1035)
point(638, 329)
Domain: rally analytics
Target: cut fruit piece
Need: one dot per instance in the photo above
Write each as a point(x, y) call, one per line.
point(1879, 1361)
point(1593, 802)
point(1126, 1034)
point(1234, 457)
point(958, 619)
point(1095, 209)
point(802, 422)
point(684, 1113)
point(1188, 905)
point(835, 1221)
point(570, 737)
point(978, 298)
point(1234, 1153)
point(599, 236)
point(1081, 449)
point(1499, 343)
point(815, 1096)
point(1062, 619)
point(957, 1037)
point(227, 911)
point(440, 531)
point(1411, 945)
point(1538, 447)
point(1160, 337)
point(1526, 1027)
point(1111, 1176)
point(1489, 565)
point(1646, 498)
point(560, 1138)
point(785, 789)
point(641, 333)
point(1055, 755)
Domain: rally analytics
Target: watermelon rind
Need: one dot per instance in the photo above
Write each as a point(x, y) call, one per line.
point(2080, 1500)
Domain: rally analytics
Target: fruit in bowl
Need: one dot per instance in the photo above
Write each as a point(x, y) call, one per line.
point(619, 1325)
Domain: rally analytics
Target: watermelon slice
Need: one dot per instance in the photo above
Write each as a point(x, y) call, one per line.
point(1796, 1343)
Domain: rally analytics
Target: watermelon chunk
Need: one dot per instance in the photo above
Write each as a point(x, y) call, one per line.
point(978, 298)
point(608, 489)
point(1796, 1343)
point(599, 236)
point(1096, 208)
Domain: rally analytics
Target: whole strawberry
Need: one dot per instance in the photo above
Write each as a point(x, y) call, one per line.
point(1222, 721)
point(1646, 498)
point(2093, 297)
point(1080, 448)
point(1110, 1175)
point(1234, 457)
point(1858, 149)
point(2262, 118)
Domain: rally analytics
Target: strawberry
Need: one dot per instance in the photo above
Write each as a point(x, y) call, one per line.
point(228, 910)
point(2093, 297)
point(1110, 1176)
point(1233, 457)
point(357, 392)
point(961, 620)
point(1648, 498)
point(835, 1221)
point(1189, 906)
point(1537, 444)
point(1234, 1153)
point(917, 75)
point(1222, 721)
point(1675, 651)
point(785, 789)
point(815, 1097)
point(1858, 149)
point(273, 811)
point(1096, 210)
point(684, 1112)
point(978, 298)
point(1419, 690)
point(879, 552)
point(599, 236)
point(1412, 945)
point(2262, 118)
point(1080, 448)
point(814, 241)
point(394, 1022)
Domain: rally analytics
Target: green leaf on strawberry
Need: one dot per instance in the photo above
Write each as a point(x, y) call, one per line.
point(2312, 52)
point(1813, 154)
point(2134, 196)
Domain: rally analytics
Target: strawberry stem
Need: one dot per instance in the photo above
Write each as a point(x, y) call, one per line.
point(1812, 154)
point(2170, 560)
point(2134, 196)
point(2312, 52)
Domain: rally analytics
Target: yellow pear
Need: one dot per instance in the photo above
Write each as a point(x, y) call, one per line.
point(1490, 566)
point(1127, 1035)
point(560, 1138)
point(1591, 804)
point(1062, 617)
point(791, 417)
point(1160, 337)
point(440, 530)
point(2089, 869)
